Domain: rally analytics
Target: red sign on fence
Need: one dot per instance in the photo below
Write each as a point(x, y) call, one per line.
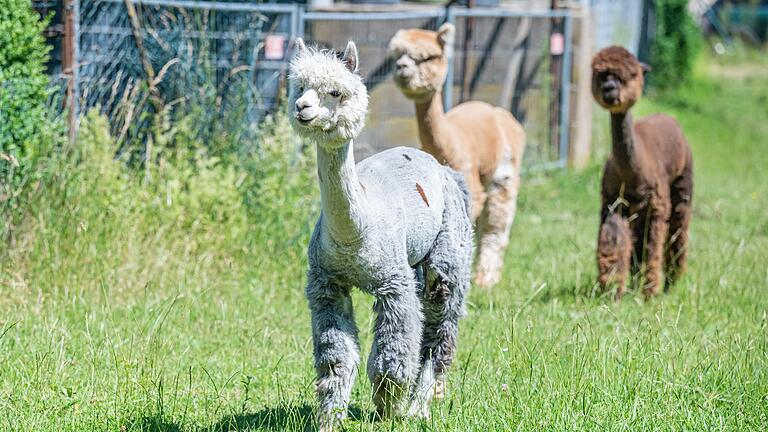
point(274, 47)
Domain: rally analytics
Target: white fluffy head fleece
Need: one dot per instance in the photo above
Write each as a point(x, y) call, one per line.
point(330, 98)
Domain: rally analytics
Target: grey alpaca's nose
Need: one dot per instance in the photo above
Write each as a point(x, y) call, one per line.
point(301, 104)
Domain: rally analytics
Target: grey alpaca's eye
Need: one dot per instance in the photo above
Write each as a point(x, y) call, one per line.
point(334, 93)
point(301, 89)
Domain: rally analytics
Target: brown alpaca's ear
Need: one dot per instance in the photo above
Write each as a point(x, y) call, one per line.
point(350, 57)
point(300, 46)
point(446, 34)
point(646, 67)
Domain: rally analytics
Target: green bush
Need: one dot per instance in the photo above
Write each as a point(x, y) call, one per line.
point(23, 82)
point(676, 45)
point(188, 205)
point(28, 130)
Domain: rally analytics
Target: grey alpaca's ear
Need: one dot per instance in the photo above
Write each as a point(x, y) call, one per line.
point(646, 67)
point(300, 46)
point(446, 34)
point(350, 57)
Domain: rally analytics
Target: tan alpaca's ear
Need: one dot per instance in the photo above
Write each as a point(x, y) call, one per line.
point(300, 46)
point(350, 57)
point(446, 34)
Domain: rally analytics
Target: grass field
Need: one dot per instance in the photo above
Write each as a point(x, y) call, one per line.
point(111, 321)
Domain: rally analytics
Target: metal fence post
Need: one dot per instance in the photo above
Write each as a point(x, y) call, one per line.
point(70, 59)
point(565, 91)
point(448, 86)
point(300, 21)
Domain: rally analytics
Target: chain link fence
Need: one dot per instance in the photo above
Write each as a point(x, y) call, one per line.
point(227, 61)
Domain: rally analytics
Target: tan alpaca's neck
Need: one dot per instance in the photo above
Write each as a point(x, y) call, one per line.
point(433, 125)
point(340, 192)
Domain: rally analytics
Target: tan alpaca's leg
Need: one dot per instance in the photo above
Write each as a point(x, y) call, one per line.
point(495, 224)
point(478, 196)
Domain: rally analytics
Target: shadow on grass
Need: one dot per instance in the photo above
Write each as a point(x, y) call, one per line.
point(281, 418)
point(585, 292)
point(152, 424)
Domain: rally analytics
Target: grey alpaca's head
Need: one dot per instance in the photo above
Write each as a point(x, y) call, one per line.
point(330, 98)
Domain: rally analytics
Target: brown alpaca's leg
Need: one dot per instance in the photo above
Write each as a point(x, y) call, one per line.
point(658, 228)
point(494, 226)
point(677, 253)
point(614, 251)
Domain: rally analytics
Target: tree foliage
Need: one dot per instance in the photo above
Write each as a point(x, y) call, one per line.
point(676, 44)
point(23, 82)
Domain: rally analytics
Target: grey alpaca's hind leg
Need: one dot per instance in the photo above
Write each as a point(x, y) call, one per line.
point(336, 349)
point(393, 362)
point(447, 281)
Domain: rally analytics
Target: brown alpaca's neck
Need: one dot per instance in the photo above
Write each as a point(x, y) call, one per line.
point(622, 138)
point(430, 116)
point(341, 193)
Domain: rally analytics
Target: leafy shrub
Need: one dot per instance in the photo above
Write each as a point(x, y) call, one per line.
point(676, 45)
point(193, 209)
point(27, 130)
point(23, 83)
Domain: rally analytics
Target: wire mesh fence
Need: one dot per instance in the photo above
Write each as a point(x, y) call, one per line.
point(180, 55)
point(515, 60)
point(228, 61)
point(500, 57)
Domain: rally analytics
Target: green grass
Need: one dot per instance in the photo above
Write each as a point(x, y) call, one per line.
point(120, 311)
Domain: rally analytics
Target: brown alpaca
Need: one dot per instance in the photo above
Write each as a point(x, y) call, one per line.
point(647, 180)
point(483, 142)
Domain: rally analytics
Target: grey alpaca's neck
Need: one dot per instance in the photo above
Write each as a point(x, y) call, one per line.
point(622, 138)
point(340, 193)
point(430, 115)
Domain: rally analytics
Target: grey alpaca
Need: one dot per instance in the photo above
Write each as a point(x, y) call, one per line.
point(396, 226)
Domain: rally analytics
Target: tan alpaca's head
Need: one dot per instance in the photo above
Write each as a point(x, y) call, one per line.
point(421, 60)
point(617, 79)
point(329, 98)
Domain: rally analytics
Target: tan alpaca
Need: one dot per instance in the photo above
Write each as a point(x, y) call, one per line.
point(483, 142)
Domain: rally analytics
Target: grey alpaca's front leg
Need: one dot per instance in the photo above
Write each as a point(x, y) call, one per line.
point(336, 348)
point(394, 358)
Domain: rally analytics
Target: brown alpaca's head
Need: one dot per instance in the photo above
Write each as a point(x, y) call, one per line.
point(617, 79)
point(421, 60)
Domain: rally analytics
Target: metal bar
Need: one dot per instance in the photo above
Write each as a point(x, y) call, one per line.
point(448, 86)
point(368, 16)
point(506, 13)
point(76, 63)
point(294, 22)
point(469, 27)
point(125, 31)
point(301, 21)
point(565, 91)
point(214, 5)
point(69, 62)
